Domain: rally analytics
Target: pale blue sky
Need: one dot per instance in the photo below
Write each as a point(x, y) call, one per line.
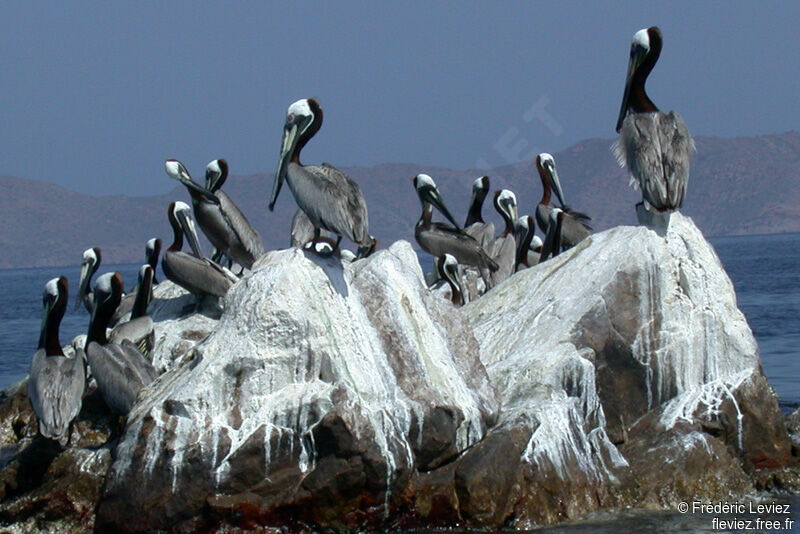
point(96, 95)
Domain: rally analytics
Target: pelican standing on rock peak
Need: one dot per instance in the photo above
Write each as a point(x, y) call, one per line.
point(439, 239)
point(56, 382)
point(655, 146)
point(575, 226)
point(221, 221)
point(331, 200)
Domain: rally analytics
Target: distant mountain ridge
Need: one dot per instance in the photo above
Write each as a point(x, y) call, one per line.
point(744, 185)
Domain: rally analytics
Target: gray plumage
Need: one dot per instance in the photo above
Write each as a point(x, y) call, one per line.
point(200, 276)
point(56, 382)
point(573, 229)
point(331, 200)
point(121, 372)
point(656, 147)
point(55, 390)
point(139, 331)
point(303, 230)
point(438, 238)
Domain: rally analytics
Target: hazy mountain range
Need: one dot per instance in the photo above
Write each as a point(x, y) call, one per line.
point(738, 186)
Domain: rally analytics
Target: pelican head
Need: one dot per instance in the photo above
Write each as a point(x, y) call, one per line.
point(216, 174)
point(151, 251)
point(108, 286)
point(303, 120)
point(447, 267)
point(180, 218)
point(480, 184)
point(505, 202)
point(89, 265)
point(429, 196)
point(646, 45)
point(55, 292)
point(546, 166)
point(177, 171)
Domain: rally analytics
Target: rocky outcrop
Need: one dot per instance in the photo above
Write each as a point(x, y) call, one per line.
point(322, 390)
point(619, 374)
point(628, 377)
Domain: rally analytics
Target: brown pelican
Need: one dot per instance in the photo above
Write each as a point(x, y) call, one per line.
point(654, 145)
point(331, 200)
point(89, 265)
point(198, 275)
point(503, 249)
point(529, 246)
point(447, 267)
point(56, 382)
point(439, 239)
point(139, 329)
point(475, 225)
point(553, 239)
point(575, 225)
point(225, 226)
point(120, 370)
point(152, 249)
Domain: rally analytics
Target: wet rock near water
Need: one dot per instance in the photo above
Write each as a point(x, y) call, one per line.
point(619, 374)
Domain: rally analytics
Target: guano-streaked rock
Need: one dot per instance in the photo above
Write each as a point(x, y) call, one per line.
point(319, 393)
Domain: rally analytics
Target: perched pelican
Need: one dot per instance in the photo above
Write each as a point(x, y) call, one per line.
point(120, 370)
point(439, 239)
point(654, 145)
point(89, 265)
point(475, 225)
point(198, 275)
point(503, 249)
point(139, 329)
point(529, 245)
point(152, 249)
point(56, 383)
point(225, 226)
point(331, 200)
point(576, 224)
point(447, 267)
point(552, 241)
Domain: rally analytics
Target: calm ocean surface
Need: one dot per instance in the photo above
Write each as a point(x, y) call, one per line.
point(765, 271)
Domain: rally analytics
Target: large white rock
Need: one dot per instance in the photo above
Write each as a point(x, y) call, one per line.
point(625, 322)
point(309, 358)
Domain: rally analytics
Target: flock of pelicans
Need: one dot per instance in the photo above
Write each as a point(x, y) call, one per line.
point(469, 261)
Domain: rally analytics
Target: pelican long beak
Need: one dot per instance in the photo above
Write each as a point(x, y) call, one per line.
point(175, 169)
point(187, 225)
point(555, 183)
point(435, 199)
point(637, 55)
point(83, 284)
point(290, 139)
